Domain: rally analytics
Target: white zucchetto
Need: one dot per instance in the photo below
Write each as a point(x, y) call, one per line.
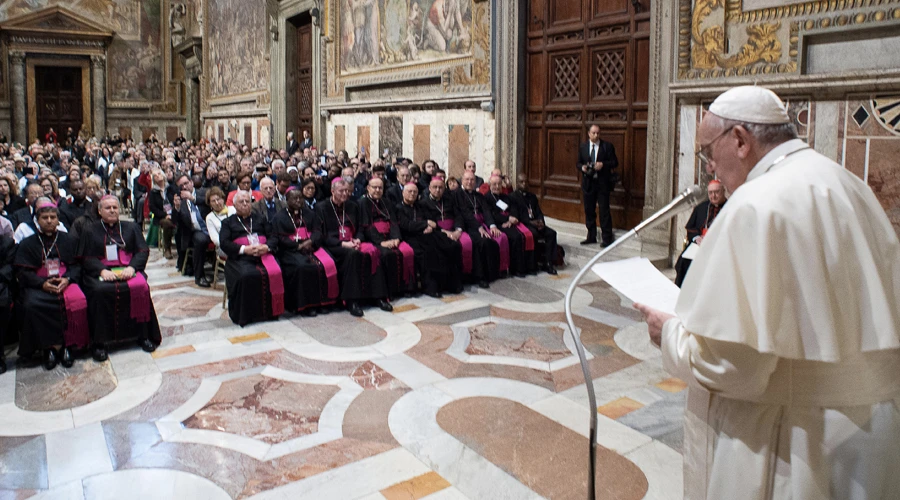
point(750, 104)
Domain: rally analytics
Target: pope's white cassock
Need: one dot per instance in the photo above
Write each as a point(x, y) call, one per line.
point(787, 332)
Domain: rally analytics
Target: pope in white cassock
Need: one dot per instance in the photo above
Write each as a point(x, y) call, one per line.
point(788, 323)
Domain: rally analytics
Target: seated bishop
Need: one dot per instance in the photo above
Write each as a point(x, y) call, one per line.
point(48, 274)
point(381, 228)
point(508, 221)
point(310, 273)
point(438, 254)
point(533, 218)
point(358, 262)
point(701, 219)
point(491, 246)
point(113, 255)
point(253, 277)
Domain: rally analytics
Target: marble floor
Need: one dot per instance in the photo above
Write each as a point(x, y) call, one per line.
point(475, 396)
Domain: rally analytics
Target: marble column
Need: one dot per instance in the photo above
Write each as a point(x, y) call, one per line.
point(98, 94)
point(192, 96)
point(19, 105)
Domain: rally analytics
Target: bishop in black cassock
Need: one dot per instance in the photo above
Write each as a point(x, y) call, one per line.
point(506, 216)
point(490, 257)
point(381, 228)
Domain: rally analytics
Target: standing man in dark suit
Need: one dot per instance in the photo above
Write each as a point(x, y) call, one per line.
point(292, 145)
point(307, 141)
point(596, 162)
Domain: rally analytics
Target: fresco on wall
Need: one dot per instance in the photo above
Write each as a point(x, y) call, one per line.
point(237, 62)
point(380, 34)
point(135, 65)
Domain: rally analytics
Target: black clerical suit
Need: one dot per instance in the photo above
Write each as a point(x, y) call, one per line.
point(701, 218)
point(597, 186)
point(521, 261)
point(486, 251)
point(70, 211)
point(438, 258)
point(533, 217)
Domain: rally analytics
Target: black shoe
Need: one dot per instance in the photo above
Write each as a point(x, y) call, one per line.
point(385, 305)
point(589, 241)
point(146, 345)
point(202, 282)
point(2, 364)
point(99, 354)
point(521, 274)
point(605, 244)
point(435, 295)
point(354, 309)
point(551, 271)
point(484, 284)
point(50, 359)
point(308, 313)
point(66, 358)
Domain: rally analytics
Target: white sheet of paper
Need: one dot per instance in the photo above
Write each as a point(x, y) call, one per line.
point(640, 281)
point(691, 251)
point(502, 205)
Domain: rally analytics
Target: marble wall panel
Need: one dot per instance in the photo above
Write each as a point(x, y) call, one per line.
point(124, 132)
point(363, 140)
point(458, 150)
point(421, 143)
point(390, 134)
point(340, 138)
point(884, 176)
point(855, 157)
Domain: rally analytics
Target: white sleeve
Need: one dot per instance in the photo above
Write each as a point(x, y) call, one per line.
point(726, 368)
point(212, 228)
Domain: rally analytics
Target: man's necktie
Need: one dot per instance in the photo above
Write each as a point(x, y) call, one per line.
point(199, 218)
point(593, 155)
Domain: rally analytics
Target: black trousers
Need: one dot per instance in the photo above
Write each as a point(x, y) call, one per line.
point(200, 244)
point(593, 199)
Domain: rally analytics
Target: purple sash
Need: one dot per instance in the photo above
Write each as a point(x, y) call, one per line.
point(327, 263)
point(529, 238)
point(138, 288)
point(465, 241)
point(501, 240)
point(276, 283)
point(77, 332)
point(409, 266)
point(373, 254)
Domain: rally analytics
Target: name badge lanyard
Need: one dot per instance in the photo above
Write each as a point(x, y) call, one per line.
point(474, 205)
point(52, 265)
point(112, 239)
point(386, 215)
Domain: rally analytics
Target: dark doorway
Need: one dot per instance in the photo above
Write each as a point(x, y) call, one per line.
point(587, 63)
point(59, 100)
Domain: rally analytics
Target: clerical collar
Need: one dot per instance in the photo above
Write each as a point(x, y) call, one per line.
point(776, 156)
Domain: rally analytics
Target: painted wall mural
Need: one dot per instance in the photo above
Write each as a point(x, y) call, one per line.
point(380, 34)
point(135, 66)
point(237, 62)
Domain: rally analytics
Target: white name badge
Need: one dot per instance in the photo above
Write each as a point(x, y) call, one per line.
point(112, 252)
point(168, 208)
point(253, 238)
point(503, 206)
point(52, 266)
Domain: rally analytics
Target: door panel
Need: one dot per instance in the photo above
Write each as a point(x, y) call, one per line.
point(58, 99)
point(304, 79)
point(580, 74)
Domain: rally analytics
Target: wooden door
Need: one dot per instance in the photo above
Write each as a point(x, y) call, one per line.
point(304, 80)
point(58, 99)
point(587, 63)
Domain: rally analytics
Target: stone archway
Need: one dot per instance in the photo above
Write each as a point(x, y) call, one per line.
point(55, 36)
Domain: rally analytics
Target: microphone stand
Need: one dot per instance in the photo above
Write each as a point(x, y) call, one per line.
point(687, 199)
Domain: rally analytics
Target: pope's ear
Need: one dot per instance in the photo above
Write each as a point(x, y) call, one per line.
point(744, 141)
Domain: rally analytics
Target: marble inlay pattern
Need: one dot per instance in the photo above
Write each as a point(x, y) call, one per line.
point(63, 388)
point(337, 407)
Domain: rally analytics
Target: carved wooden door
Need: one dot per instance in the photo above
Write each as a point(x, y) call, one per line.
point(587, 63)
point(304, 80)
point(58, 100)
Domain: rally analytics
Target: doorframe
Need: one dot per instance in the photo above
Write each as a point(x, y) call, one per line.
point(31, 88)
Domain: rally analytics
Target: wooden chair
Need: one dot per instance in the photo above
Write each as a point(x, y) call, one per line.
point(190, 251)
point(220, 263)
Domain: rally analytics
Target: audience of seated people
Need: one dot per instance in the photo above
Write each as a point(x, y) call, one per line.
point(300, 233)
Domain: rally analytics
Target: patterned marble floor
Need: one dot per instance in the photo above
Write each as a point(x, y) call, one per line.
point(475, 396)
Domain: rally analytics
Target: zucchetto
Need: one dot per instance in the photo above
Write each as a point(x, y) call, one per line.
point(750, 104)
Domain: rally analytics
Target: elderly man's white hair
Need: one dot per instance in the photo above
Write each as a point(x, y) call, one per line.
point(410, 186)
point(340, 182)
point(241, 194)
point(277, 162)
point(266, 180)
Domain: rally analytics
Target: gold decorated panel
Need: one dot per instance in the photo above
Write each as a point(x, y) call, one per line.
point(722, 38)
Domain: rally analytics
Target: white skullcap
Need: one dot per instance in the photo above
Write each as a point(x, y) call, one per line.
point(750, 104)
point(292, 169)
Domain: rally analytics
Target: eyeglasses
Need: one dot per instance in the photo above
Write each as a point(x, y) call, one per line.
point(702, 155)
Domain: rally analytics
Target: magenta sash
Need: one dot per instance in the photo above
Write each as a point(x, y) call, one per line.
point(409, 266)
point(276, 283)
point(327, 263)
point(529, 238)
point(501, 240)
point(465, 241)
point(77, 332)
point(138, 289)
point(373, 254)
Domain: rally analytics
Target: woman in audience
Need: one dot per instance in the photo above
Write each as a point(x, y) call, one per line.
point(9, 193)
point(54, 309)
point(113, 255)
point(50, 189)
point(244, 181)
point(308, 191)
point(215, 199)
point(161, 208)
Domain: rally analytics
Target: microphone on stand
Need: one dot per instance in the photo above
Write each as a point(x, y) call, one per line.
point(688, 198)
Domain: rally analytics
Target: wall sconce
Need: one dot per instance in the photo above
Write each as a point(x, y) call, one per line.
point(325, 114)
point(273, 29)
point(487, 106)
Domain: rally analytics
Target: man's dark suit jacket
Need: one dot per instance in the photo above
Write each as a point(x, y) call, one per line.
point(292, 147)
point(604, 180)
